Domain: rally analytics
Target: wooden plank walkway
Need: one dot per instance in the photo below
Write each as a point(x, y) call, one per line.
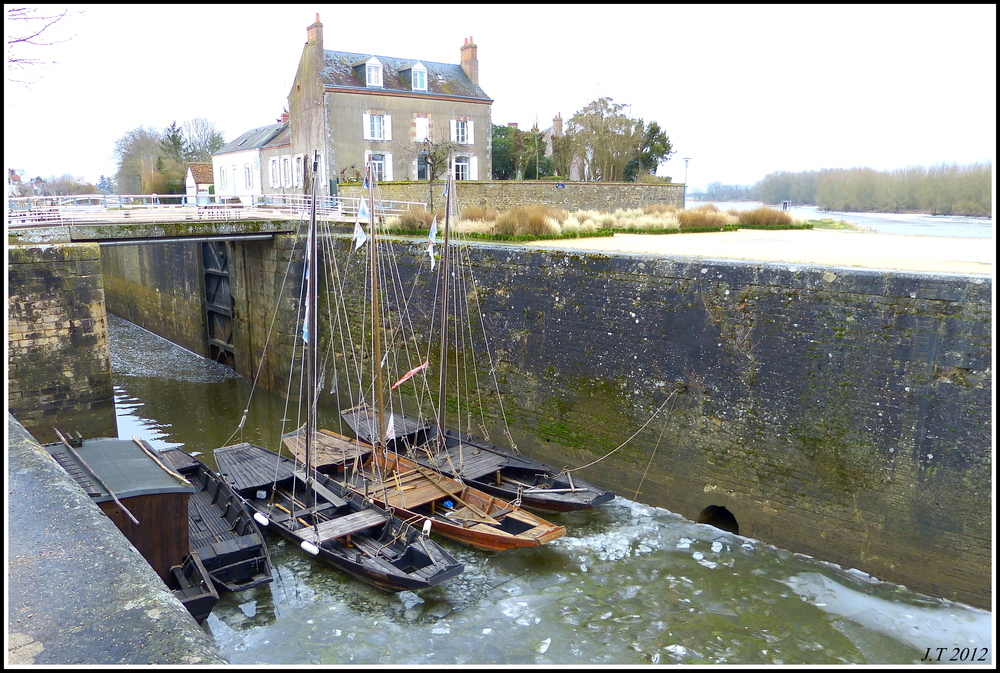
point(344, 525)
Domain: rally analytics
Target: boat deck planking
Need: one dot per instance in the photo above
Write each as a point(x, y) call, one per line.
point(328, 448)
point(341, 526)
point(243, 469)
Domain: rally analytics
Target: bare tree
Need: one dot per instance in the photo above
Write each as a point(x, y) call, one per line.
point(201, 140)
point(25, 27)
point(436, 155)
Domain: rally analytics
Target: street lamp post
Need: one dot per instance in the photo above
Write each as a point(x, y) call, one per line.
point(686, 160)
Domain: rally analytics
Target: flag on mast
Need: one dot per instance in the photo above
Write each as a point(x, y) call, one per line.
point(305, 282)
point(430, 237)
point(409, 374)
point(390, 428)
point(359, 235)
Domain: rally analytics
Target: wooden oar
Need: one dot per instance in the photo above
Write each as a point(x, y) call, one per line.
point(476, 510)
point(151, 454)
point(99, 481)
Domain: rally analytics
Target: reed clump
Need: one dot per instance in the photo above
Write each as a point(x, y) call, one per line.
point(659, 208)
point(478, 213)
point(765, 217)
point(533, 220)
point(704, 217)
point(416, 218)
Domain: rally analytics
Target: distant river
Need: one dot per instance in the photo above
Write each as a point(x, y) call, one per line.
point(628, 584)
point(903, 224)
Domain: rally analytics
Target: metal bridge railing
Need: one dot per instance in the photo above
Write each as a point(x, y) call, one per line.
point(33, 211)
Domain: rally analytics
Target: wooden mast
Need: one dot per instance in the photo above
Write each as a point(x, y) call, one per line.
point(312, 287)
point(445, 271)
point(376, 314)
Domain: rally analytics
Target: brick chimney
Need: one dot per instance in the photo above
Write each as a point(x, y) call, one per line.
point(557, 127)
point(470, 64)
point(512, 125)
point(284, 118)
point(314, 33)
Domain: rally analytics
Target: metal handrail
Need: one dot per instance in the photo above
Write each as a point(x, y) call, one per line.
point(31, 211)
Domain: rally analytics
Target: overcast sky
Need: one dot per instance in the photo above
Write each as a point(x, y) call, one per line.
point(742, 90)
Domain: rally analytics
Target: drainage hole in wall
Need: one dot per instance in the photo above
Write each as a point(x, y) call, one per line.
point(720, 517)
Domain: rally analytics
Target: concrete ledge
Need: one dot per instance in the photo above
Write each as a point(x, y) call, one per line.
point(78, 592)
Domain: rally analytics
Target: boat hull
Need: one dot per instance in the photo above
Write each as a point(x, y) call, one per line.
point(486, 466)
point(342, 528)
point(420, 495)
point(225, 537)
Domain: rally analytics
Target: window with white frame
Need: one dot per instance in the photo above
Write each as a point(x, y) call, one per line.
point(376, 125)
point(382, 163)
point(299, 170)
point(378, 164)
point(274, 173)
point(461, 165)
point(247, 177)
point(373, 73)
point(422, 167)
point(418, 77)
point(286, 172)
point(422, 129)
point(461, 131)
point(223, 183)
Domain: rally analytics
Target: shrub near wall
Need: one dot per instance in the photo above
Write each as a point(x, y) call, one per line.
point(501, 195)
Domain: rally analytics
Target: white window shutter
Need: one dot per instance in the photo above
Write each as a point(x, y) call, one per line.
point(473, 167)
point(388, 167)
point(387, 127)
point(470, 135)
point(366, 126)
point(454, 130)
point(423, 129)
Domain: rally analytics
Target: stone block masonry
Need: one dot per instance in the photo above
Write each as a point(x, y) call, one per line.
point(160, 287)
point(59, 364)
point(502, 195)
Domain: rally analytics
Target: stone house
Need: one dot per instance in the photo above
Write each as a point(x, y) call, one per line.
point(355, 108)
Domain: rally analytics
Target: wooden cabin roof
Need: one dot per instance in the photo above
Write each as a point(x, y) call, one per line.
point(121, 464)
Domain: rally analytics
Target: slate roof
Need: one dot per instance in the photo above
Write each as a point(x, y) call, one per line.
point(282, 138)
point(202, 173)
point(252, 139)
point(443, 79)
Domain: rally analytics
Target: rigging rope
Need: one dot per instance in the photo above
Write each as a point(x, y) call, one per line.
point(671, 396)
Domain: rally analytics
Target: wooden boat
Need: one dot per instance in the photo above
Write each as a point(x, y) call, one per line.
point(423, 496)
point(222, 534)
point(328, 520)
point(323, 517)
point(148, 503)
point(486, 466)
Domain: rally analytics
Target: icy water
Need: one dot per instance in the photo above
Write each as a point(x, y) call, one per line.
point(900, 224)
point(628, 585)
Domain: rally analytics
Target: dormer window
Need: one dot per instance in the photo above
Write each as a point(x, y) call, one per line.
point(373, 73)
point(419, 77)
